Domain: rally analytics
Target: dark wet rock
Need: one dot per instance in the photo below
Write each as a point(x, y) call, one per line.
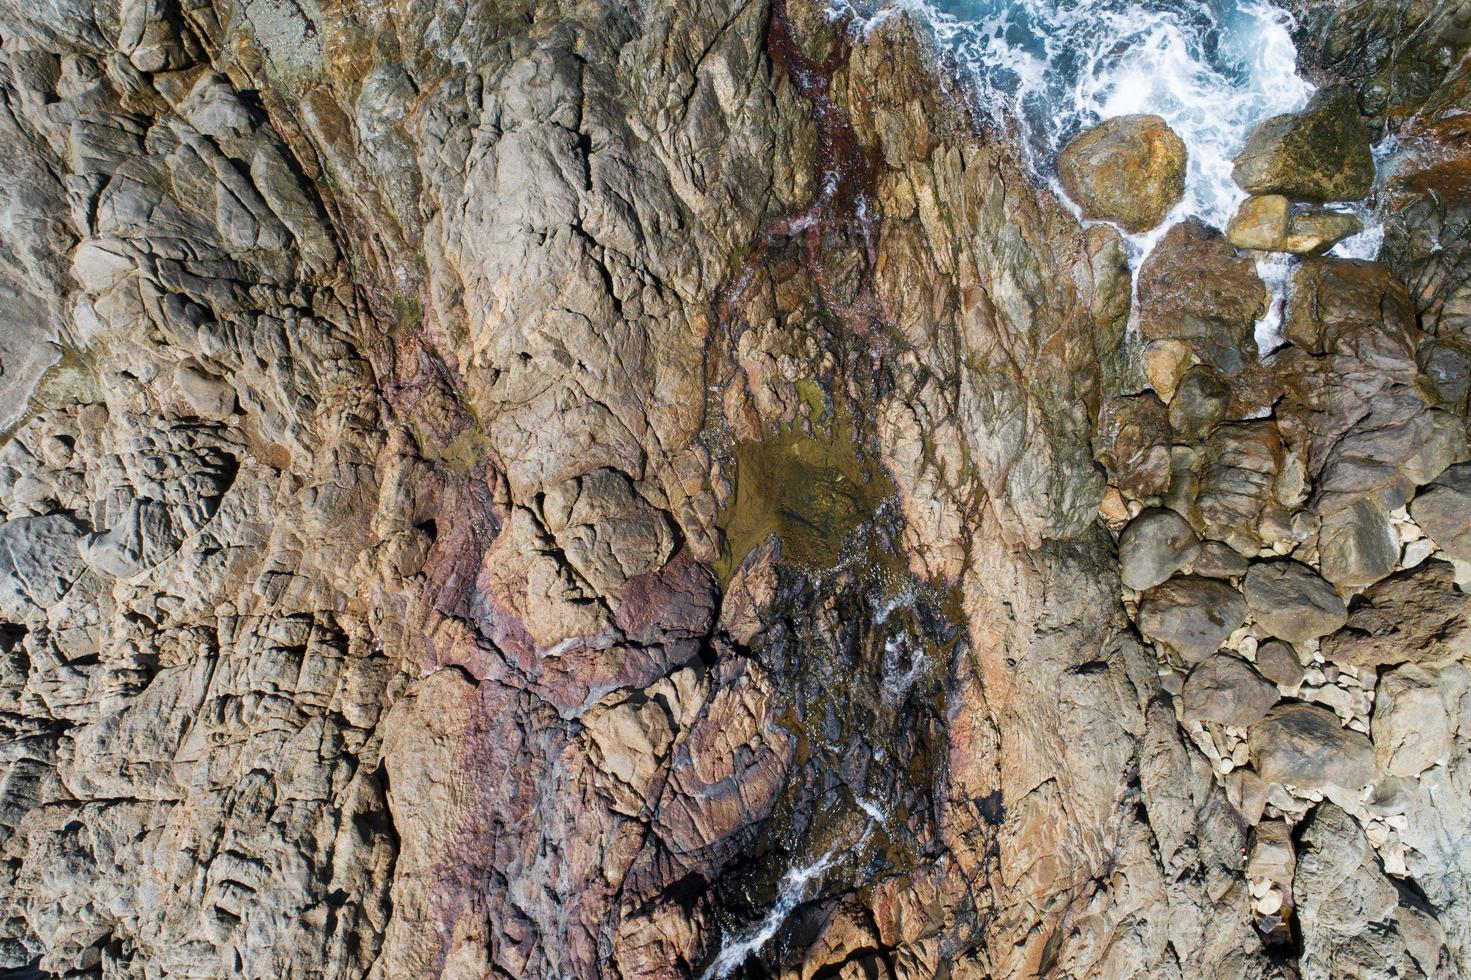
point(1191, 615)
point(1443, 511)
point(1199, 404)
point(1353, 307)
point(1399, 56)
point(1355, 922)
point(1446, 364)
point(1225, 689)
point(1218, 560)
point(1319, 154)
point(1269, 223)
point(1278, 663)
point(1129, 170)
point(1356, 545)
point(1132, 441)
point(1196, 288)
point(1154, 546)
point(1305, 745)
point(1293, 602)
point(1414, 616)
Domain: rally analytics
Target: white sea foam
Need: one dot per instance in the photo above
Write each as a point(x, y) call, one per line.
point(1045, 70)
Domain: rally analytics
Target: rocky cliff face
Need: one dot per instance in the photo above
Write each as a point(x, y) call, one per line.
point(599, 489)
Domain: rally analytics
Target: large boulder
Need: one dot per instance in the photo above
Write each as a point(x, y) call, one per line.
point(1354, 921)
point(1196, 288)
point(1129, 170)
point(1414, 616)
point(1304, 745)
point(1155, 545)
point(1191, 615)
point(1416, 712)
point(1319, 154)
point(1132, 441)
point(1224, 688)
point(1443, 511)
point(1293, 602)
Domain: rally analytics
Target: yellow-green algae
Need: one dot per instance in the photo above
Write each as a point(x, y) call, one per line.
point(805, 483)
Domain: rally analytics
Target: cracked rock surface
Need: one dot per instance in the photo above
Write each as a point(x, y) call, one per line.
point(548, 488)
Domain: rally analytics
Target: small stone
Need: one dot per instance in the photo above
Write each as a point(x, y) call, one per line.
point(1319, 154)
point(1269, 223)
point(1154, 546)
point(1269, 903)
point(1113, 509)
point(1293, 602)
point(1129, 170)
point(1191, 615)
point(1277, 662)
point(1416, 552)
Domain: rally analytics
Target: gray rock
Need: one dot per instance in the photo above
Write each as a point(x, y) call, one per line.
point(1154, 546)
point(1191, 615)
point(1353, 920)
point(40, 558)
point(1278, 663)
point(1443, 511)
point(1416, 713)
point(1306, 746)
point(1293, 602)
point(1319, 154)
point(1356, 545)
point(1224, 688)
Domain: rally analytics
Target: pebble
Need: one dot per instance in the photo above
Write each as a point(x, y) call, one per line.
point(1416, 552)
point(1269, 903)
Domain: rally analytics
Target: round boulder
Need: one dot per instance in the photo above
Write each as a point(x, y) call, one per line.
point(1224, 688)
point(1129, 170)
point(1304, 745)
point(1292, 601)
point(1154, 546)
point(1191, 615)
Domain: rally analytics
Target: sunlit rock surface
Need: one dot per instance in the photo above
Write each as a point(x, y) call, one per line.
point(666, 490)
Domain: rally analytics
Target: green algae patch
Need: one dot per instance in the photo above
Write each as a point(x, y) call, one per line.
point(809, 488)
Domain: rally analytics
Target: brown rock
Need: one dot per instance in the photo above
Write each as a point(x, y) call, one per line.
point(1269, 223)
point(1129, 170)
point(1133, 442)
point(1196, 288)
